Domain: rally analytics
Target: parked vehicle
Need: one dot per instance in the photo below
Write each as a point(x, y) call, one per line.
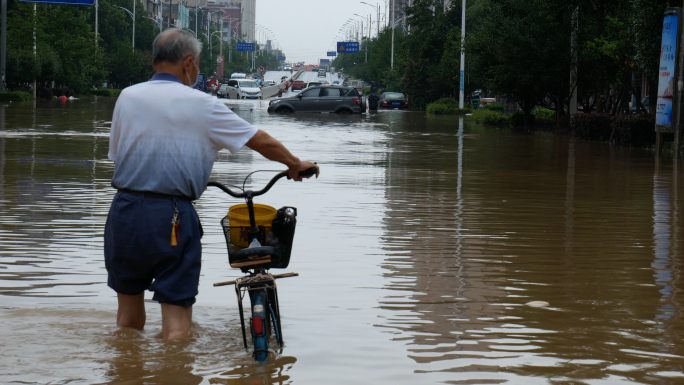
point(337, 99)
point(201, 82)
point(243, 89)
point(393, 100)
point(298, 85)
point(222, 92)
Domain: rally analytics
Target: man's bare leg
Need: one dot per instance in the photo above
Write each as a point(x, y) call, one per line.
point(131, 313)
point(176, 321)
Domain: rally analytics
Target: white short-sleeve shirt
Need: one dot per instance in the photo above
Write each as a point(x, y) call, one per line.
point(165, 137)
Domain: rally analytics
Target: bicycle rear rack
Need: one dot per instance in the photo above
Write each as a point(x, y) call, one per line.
point(259, 281)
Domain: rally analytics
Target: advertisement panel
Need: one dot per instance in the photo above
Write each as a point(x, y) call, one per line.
point(666, 77)
point(219, 66)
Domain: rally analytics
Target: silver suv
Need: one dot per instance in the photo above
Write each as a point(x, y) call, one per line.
point(337, 99)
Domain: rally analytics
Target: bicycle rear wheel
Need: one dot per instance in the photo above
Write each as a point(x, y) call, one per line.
point(260, 324)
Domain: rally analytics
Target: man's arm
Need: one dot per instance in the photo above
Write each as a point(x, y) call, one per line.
point(272, 149)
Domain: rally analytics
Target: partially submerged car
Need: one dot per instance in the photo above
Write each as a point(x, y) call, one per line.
point(393, 100)
point(335, 99)
point(242, 89)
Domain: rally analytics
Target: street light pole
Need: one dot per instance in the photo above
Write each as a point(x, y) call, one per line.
point(132, 17)
point(377, 9)
point(134, 25)
point(156, 21)
point(394, 26)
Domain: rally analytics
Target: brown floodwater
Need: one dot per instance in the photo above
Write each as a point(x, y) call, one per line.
point(429, 251)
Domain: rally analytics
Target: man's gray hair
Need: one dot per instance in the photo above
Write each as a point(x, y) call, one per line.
point(172, 45)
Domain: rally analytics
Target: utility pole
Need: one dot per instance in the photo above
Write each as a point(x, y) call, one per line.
point(392, 26)
point(378, 20)
point(35, 52)
point(572, 108)
point(368, 39)
point(3, 46)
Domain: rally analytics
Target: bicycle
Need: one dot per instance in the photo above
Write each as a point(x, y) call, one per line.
point(263, 244)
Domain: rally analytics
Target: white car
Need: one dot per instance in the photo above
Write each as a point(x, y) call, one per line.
point(242, 89)
point(268, 83)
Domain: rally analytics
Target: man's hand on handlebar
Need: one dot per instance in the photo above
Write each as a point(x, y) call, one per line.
point(304, 170)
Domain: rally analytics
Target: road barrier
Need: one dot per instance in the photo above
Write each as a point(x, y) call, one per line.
point(271, 91)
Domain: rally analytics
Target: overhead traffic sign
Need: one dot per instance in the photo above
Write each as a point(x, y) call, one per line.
point(347, 47)
point(281, 58)
point(245, 47)
point(332, 53)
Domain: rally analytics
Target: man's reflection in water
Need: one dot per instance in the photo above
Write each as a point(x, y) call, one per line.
point(271, 373)
point(139, 359)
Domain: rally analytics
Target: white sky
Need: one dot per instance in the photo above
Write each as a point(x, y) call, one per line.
point(306, 29)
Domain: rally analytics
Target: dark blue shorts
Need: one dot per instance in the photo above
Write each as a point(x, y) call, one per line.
point(138, 251)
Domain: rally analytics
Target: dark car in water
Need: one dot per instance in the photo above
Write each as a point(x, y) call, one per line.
point(393, 100)
point(336, 99)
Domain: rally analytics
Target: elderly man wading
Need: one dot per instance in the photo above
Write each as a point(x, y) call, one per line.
point(164, 139)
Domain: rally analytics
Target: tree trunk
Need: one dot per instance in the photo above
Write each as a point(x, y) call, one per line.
point(652, 94)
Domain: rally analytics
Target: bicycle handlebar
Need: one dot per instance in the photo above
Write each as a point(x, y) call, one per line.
point(244, 194)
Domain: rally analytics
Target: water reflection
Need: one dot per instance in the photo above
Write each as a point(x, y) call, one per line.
point(472, 240)
point(429, 251)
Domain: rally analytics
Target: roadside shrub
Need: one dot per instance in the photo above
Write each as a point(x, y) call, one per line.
point(366, 90)
point(591, 126)
point(15, 96)
point(492, 107)
point(446, 108)
point(544, 113)
point(447, 101)
point(633, 130)
point(107, 92)
point(518, 119)
point(489, 117)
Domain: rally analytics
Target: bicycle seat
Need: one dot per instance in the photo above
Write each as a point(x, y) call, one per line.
point(253, 256)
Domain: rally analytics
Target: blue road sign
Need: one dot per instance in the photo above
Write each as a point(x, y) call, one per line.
point(245, 47)
point(347, 47)
point(281, 58)
point(325, 61)
point(76, 2)
point(332, 53)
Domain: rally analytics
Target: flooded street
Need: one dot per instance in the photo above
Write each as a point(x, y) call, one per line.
point(429, 251)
